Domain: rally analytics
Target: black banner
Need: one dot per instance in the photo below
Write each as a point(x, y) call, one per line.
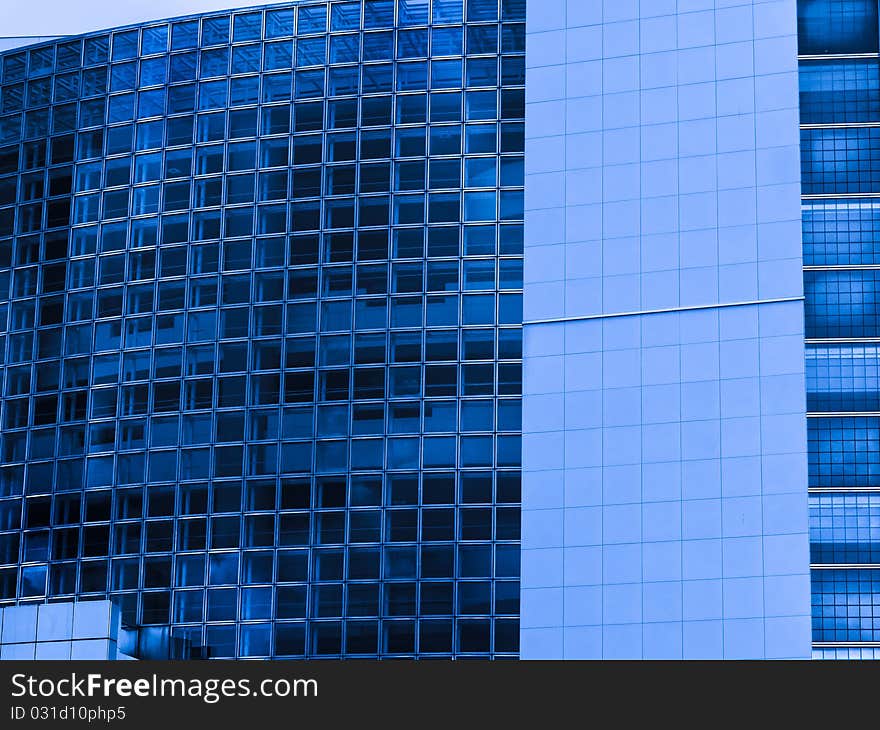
point(413, 694)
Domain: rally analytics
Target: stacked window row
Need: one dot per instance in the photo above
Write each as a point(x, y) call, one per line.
point(842, 303)
point(841, 232)
point(840, 160)
point(182, 69)
point(839, 92)
point(279, 21)
point(844, 452)
point(182, 100)
point(400, 638)
point(837, 27)
point(845, 528)
point(846, 605)
point(843, 378)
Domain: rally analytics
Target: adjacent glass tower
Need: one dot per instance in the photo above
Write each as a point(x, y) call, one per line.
point(840, 121)
point(260, 326)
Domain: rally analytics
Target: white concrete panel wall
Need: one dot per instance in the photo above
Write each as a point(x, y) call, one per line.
point(664, 428)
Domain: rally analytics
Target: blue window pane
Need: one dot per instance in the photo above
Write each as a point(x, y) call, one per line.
point(247, 27)
point(311, 52)
point(95, 50)
point(155, 40)
point(447, 41)
point(378, 47)
point(125, 45)
point(215, 30)
point(448, 11)
point(279, 23)
point(482, 10)
point(184, 35)
point(379, 13)
point(312, 19)
point(413, 12)
point(345, 16)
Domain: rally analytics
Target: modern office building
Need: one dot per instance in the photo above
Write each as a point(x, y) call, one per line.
point(262, 309)
point(324, 322)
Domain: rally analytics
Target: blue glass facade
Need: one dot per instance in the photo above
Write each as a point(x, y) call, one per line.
point(261, 326)
point(838, 46)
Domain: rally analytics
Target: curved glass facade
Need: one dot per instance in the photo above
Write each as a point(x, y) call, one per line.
point(260, 326)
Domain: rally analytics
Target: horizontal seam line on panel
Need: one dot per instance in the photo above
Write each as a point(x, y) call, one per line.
point(672, 310)
point(844, 566)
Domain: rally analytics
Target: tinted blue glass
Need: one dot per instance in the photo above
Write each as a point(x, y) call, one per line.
point(841, 233)
point(155, 40)
point(841, 303)
point(279, 23)
point(839, 91)
point(312, 19)
point(448, 11)
point(845, 528)
point(843, 378)
point(840, 160)
point(215, 30)
point(240, 348)
point(843, 605)
point(837, 26)
point(844, 452)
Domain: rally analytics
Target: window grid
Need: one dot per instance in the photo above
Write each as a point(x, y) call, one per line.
point(846, 605)
point(843, 378)
point(841, 233)
point(835, 161)
point(261, 307)
point(841, 303)
point(837, 27)
point(839, 92)
point(845, 528)
point(844, 452)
